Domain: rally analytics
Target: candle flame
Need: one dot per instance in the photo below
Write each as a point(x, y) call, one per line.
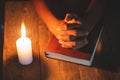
point(23, 31)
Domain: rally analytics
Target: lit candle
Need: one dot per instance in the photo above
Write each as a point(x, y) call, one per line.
point(24, 49)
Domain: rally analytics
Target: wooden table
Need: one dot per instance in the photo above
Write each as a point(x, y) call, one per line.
point(42, 68)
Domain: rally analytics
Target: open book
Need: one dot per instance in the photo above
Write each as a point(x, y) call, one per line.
point(82, 56)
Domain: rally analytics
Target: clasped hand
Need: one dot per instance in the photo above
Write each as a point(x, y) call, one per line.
point(70, 33)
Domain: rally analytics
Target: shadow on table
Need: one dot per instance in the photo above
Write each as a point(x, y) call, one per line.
point(14, 70)
point(108, 58)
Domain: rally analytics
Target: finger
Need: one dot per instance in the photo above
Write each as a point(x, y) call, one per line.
point(67, 33)
point(64, 38)
point(73, 21)
point(70, 19)
point(67, 44)
point(67, 17)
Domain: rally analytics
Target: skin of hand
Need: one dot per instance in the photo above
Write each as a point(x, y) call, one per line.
point(63, 35)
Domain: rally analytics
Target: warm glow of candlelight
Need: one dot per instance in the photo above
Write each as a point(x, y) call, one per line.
point(23, 31)
point(24, 48)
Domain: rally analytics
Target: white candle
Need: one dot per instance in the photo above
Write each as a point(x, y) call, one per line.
point(24, 48)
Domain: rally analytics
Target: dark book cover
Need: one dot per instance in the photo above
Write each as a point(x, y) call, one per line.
point(84, 55)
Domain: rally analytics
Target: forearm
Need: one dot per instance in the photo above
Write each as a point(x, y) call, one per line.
point(45, 14)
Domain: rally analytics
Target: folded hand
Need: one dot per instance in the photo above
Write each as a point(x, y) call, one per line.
point(70, 34)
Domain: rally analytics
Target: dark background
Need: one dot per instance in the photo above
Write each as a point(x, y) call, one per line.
point(1, 33)
point(110, 55)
